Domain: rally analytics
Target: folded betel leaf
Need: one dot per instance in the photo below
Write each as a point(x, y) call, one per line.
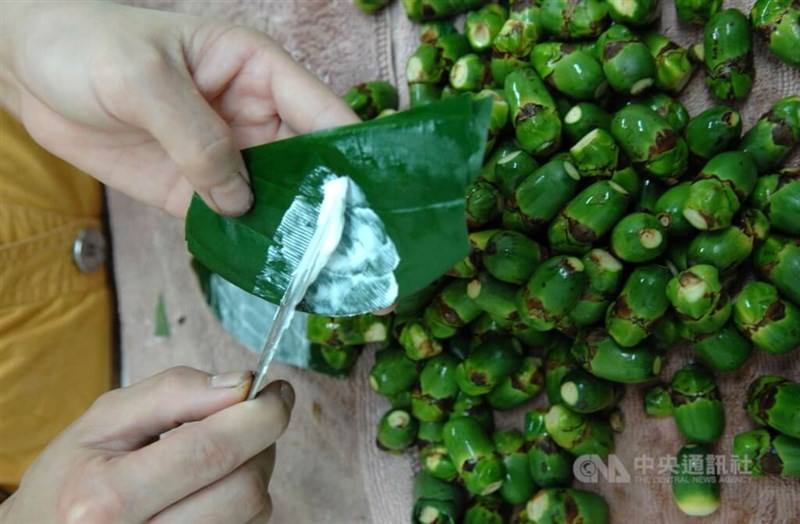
point(404, 223)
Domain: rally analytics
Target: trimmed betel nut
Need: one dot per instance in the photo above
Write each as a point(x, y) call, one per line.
point(578, 433)
point(601, 356)
point(769, 321)
point(554, 505)
point(555, 286)
point(762, 453)
point(478, 464)
point(641, 303)
point(695, 484)
point(697, 408)
point(773, 401)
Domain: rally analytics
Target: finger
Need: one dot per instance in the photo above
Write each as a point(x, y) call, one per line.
point(385, 311)
point(125, 419)
point(264, 516)
point(196, 138)
point(237, 498)
point(304, 102)
point(202, 453)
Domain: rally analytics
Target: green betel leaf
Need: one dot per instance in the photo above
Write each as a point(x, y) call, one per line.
point(412, 167)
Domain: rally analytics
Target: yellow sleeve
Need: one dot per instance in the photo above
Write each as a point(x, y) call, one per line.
point(55, 318)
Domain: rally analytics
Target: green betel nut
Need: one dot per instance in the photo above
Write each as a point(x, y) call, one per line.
point(543, 193)
point(418, 342)
point(774, 135)
point(483, 25)
point(519, 32)
point(469, 73)
point(723, 350)
point(640, 304)
point(572, 19)
point(536, 122)
point(634, 12)
point(769, 321)
point(713, 131)
point(627, 62)
point(512, 257)
point(519, 387)
point(487, 366)
point(668, 108)
point(553, 289)
point(760, 453)
point(778, 260)
point(436, 462)
point(588, 216)
point(674, 68)
point(658, 402)
point(726, 248)
point(697, 408)
point(554, 506)
point(601, 356)
point(638, 237)
point(549, 465)
point(582, 118)
point(579, 434)
point(669, 210)
point(773, 401)
point(369, 99)
point(595, 155)
point(650, 142)
point(518, 485)
point(392, 373)
point(585, 393)
point(778, 196)
point(569, 69)
point(605, 276)
point(436, 501)
point(695, 485)
point(478, 465)
point(558, 363)
point(695, 293)
point(697, 11)
point(397, 430)
point(728, 55)
point(779, 23)
point(485, 510)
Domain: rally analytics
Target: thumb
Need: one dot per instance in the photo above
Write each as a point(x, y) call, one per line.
point(198, 140)
point(132, 416)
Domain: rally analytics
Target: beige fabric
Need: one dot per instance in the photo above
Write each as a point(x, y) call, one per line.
point(329, 469)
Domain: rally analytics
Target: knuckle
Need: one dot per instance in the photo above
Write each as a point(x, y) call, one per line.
point(206, 155)
point(98, 505)
point(105, 402)
point(174, 380)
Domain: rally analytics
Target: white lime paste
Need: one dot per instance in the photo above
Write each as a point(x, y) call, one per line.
point(359, 276)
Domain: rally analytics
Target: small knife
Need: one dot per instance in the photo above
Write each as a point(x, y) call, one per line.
point(326, 237)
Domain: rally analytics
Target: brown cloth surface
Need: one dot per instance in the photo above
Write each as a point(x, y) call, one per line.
point(328, 468)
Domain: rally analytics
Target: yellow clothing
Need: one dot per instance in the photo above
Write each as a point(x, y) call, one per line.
point(55, 321)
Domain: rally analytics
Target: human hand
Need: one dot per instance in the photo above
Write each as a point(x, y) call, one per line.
point(155, 104)
point(213, 464)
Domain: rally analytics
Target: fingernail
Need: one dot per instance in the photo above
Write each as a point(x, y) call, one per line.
point(233, 197)
point(284, 390)
point(233, 379)
point(287, 394)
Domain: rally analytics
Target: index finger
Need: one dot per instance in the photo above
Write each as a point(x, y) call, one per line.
point(201, 453)
point(303, 101)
